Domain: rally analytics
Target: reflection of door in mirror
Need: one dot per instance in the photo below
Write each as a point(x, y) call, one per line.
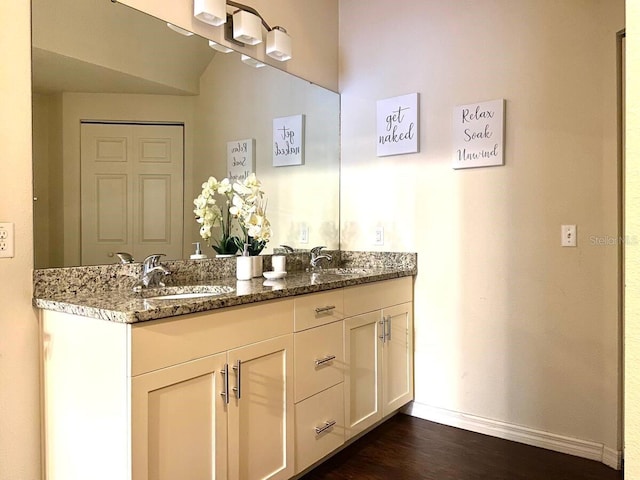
point(131, 191)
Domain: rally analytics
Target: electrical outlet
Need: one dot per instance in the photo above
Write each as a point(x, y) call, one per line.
point(569, 236)
point(304, 234)
point(6, 240)
point(378, 238)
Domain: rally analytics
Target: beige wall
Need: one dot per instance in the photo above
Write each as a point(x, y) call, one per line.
point(510, 326)
point(632, 259)
point(19, 397)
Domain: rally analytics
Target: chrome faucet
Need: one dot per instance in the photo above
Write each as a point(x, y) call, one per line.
point(152, 272)
point(317, 256)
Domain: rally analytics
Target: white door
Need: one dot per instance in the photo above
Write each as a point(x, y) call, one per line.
point(131, 191)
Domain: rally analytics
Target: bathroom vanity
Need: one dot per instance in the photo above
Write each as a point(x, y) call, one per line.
point(247, 385)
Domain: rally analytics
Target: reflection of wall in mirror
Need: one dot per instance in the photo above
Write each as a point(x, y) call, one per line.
point(234, 105)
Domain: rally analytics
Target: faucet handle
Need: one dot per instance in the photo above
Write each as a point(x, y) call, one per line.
point(316, 250)
point(152, 260)
point(287, 248)
point(125, 257)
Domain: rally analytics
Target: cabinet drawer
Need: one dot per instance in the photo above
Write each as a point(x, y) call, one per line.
point(162, 343)
point(318, 309)
point(316, 413)
point(314, 369)
point(374, 296)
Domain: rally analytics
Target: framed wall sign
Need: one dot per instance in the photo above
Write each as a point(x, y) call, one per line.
point(397, 125)
point(288, 141)
point(478, 134)
point(241, 159)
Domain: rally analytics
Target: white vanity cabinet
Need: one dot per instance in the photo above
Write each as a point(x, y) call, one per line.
point(160, 411)
point(378, 351)
point(260, 391)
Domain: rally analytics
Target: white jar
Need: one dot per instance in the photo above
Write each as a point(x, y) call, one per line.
point(244, 268)
point(279, 263)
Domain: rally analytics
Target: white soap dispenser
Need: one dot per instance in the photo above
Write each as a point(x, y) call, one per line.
point(244, 270)
point(198, 255)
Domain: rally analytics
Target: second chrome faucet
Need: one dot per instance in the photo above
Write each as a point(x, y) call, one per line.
point(317, 256)
point(153, 272)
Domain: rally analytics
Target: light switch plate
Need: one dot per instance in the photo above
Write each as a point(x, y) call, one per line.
point(304, 234)
point(569, 236)
point(378, 238)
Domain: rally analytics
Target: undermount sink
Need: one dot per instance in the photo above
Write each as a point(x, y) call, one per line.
point(344, 271)
point(185, 292)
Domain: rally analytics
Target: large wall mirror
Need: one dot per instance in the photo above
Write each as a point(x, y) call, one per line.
point(130, 118)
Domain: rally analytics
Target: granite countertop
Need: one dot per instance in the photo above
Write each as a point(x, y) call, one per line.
point(125, 306)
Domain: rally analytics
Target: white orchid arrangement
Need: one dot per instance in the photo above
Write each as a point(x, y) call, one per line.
point(244, 202)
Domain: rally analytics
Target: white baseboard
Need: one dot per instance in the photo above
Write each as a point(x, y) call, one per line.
point(517, 433)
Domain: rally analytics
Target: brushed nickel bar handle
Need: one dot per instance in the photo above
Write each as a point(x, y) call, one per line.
point(225, 392)
point(388, 334)
point(327, 359)
point(328, 308)
point(325, 427)
point(382, 325)
point(238, 368)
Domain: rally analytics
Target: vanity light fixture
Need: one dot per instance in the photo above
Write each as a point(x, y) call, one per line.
point(278, 44)
point(179, 30)
point(247, 27)
point(251, 61)
point(219, 48)
point(213, 12)
point(244, 27)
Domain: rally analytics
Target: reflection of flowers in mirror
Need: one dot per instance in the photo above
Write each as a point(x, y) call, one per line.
point(250, 207)
point(244, 202)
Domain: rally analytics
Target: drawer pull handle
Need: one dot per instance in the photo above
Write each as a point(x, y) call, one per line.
point(327, 359)
point(326, 309)
point(325, 427)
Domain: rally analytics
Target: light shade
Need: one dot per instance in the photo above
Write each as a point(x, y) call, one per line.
point(219, 48)
point(247, 27)
point(213, 12)
point(251, 61)
point(179, 30)
point(279, 44)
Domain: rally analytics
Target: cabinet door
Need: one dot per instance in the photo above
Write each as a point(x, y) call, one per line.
point(363, 372)
point(397, 353)
point(179, 422)
point(261, 411)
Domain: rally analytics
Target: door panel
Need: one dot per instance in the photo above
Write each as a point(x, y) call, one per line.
point(179, 422)
point(111, 208)
point(363, 372)
point(261, 424)
point(144, 213)
point(397, 387)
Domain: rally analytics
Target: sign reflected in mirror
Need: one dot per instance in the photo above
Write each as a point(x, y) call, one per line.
point(102, 63)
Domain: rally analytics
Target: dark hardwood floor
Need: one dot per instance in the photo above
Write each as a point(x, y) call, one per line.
point(406, 448)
